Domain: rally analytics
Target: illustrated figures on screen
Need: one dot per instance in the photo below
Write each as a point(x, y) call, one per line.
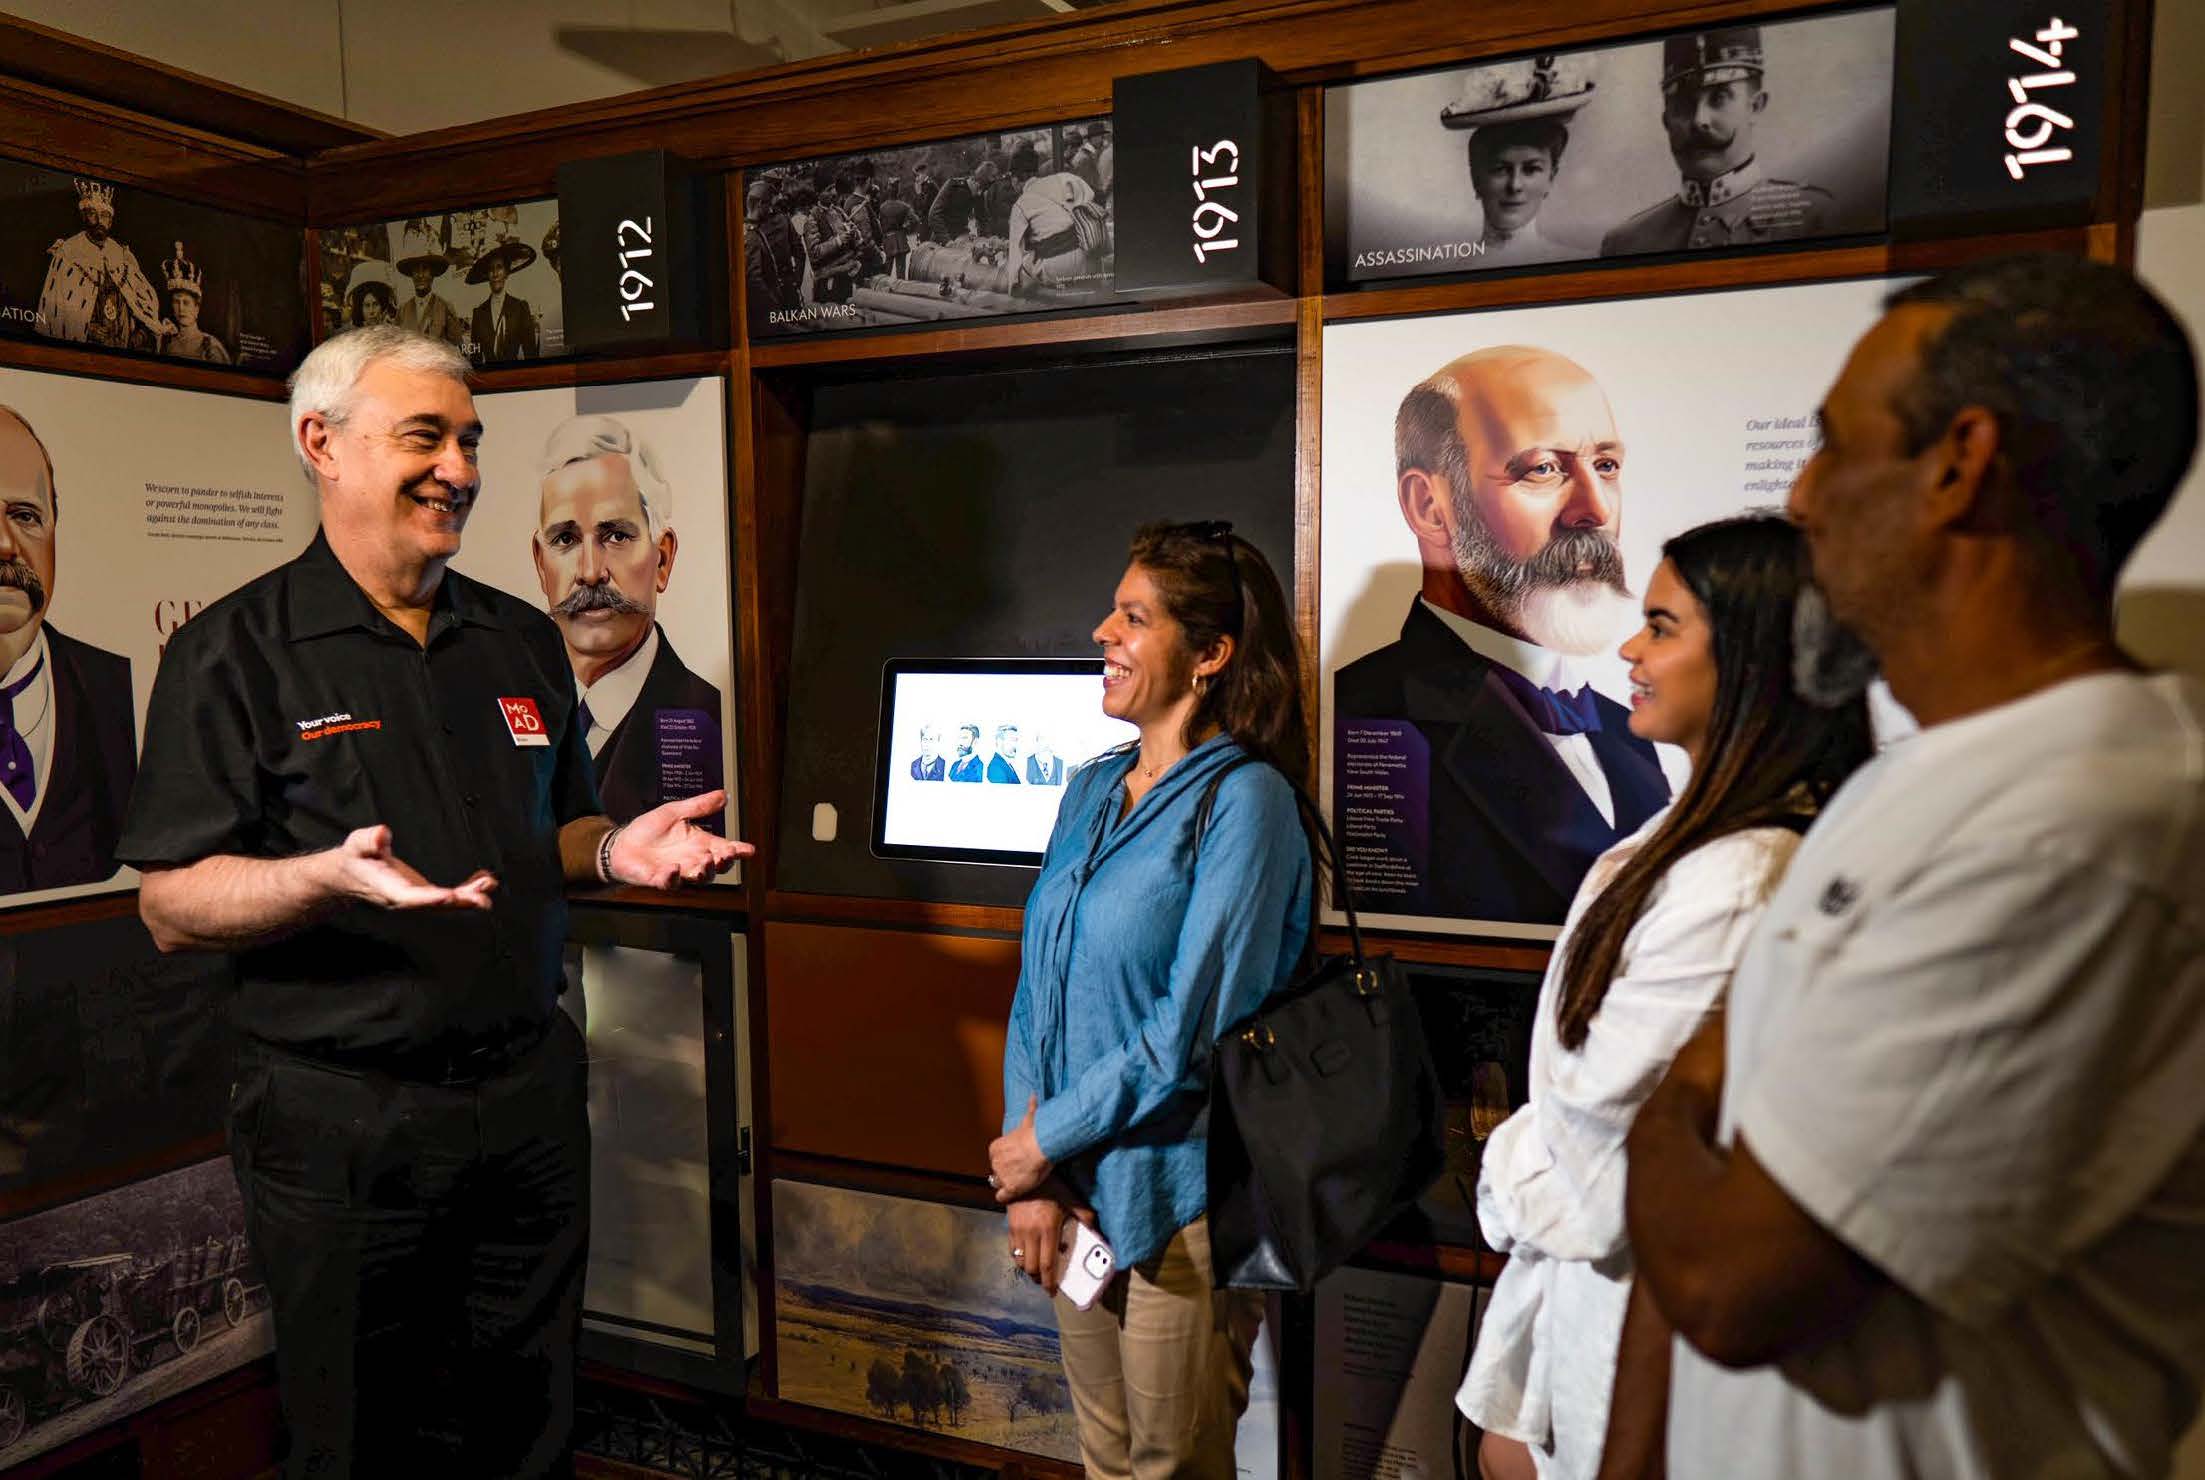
point(966, 765)
point(929, 765)
point(1044, 767)
point(1003, 765)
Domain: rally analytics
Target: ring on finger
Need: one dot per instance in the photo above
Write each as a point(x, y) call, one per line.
point(1018, 1253)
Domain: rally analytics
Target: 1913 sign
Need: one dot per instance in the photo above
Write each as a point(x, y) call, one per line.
point(1204, 182)
point(1999, 113)
point(636, 273)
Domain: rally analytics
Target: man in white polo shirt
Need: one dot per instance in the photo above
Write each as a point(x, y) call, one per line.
point(1942, 1210)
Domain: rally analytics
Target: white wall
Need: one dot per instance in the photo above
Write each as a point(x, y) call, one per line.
point(2163, 597)
point(287, 49)
point(405, 66)
point(2163, 593)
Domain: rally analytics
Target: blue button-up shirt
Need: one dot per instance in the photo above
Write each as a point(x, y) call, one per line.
point(1136, 954)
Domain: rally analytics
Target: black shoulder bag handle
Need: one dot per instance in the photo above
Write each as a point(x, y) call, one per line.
point(1326, 1117)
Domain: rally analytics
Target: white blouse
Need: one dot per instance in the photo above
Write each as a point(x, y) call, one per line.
point(1550, 1188)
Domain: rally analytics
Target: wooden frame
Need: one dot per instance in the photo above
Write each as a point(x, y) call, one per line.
point(68, 105)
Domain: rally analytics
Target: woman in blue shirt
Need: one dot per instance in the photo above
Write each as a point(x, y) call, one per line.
point(1139, 947)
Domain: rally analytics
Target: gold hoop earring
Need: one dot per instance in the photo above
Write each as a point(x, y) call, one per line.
point(1201, 684)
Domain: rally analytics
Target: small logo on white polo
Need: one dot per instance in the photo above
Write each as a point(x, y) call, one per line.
point(1838, 896)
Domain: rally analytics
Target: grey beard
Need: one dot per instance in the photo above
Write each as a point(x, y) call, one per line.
point(603, 598)
point(1830, 666)
point(1576, 610)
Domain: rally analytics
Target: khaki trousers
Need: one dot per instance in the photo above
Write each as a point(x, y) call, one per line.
point(1159, 1367)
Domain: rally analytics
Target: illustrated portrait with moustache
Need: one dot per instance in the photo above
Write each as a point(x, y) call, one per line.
point(604, 550)
point(68, 741)
point(1478, 733)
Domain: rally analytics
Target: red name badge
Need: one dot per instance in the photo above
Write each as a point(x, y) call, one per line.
point(524, 723)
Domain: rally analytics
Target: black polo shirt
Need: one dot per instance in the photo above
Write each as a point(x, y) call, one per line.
point(292, 712)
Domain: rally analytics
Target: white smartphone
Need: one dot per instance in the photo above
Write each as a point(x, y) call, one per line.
point(1085, 1263)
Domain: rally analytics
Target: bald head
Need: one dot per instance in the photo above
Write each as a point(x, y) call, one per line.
point(1510, 471)
point(14, 431)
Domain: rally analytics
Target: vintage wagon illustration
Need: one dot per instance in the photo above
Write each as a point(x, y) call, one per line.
point(73, 1330)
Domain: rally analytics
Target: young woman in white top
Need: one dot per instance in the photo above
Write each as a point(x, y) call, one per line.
point(1644, 956)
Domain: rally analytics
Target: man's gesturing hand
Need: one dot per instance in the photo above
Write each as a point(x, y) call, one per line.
point(364, 868)
point(663, 848)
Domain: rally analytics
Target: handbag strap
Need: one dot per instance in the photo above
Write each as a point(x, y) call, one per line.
point(1320, 836)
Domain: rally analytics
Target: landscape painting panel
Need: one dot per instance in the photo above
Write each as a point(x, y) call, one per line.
point(910, 1313)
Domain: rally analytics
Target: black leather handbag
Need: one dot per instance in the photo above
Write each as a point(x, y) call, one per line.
point(1326, 1117)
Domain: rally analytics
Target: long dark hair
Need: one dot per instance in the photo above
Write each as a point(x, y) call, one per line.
point(1771, 758)
point(1215, 584)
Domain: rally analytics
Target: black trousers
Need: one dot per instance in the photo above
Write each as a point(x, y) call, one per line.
point(424, 1247)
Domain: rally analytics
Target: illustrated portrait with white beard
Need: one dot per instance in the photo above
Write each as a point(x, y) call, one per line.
point(1481, 771)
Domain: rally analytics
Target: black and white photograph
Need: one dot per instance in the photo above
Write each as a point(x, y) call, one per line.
point(113, 267)
point(114, 1302)
point(1730, 137)
point(1003, 223)
point(485, 279)
point(1497, 488)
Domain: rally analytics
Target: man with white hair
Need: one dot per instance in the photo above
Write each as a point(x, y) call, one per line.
point(604, 551)
point(363, 775)
point(1509, 472)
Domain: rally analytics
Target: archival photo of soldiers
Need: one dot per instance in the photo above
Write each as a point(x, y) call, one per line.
point(1497, 489)
point(87, 262)
point(486, 280)
point(113, 1302)
point(1002, 223)
point(1719, 139)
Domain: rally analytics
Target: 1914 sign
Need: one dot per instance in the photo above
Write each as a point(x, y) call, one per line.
point(1204, 183)
point(1999, 114)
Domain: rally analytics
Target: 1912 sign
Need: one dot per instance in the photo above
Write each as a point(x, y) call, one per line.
point(1204, 195)
point(1999, 114)
point(634, 282)
point(638, 273)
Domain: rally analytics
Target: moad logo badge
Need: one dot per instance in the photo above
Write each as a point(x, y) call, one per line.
point(522, 722)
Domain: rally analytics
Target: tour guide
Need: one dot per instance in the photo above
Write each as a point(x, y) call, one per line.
point(362, 774)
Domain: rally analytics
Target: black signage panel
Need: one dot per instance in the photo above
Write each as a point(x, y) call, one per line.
point(1999, 113)
point(1205, 187)
point(639, 270)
